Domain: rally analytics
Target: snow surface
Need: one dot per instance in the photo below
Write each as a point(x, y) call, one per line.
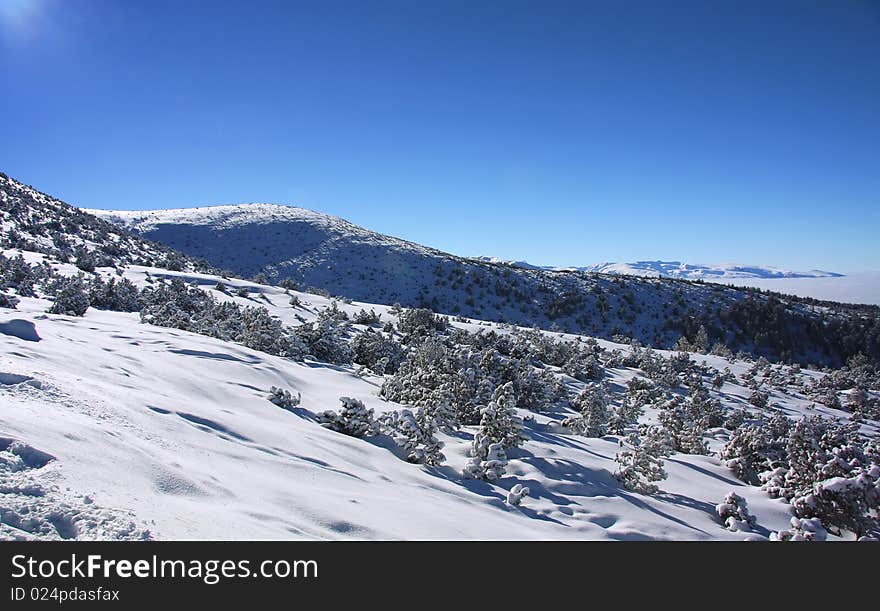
point(110, 428)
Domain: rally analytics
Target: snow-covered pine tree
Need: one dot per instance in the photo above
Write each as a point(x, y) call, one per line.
point(638, 467)
point(119, 296)
point(84, 260)
point(626, 415)
point(500, 430)
point(378, 351)
point(366, 318)
point(71, 297)
point(734, 513)
point(284, 398)
point(324, 340)
point(592, 403)
point(415, 434)
point(8, 301)
point(753, 450)
point(354, 419)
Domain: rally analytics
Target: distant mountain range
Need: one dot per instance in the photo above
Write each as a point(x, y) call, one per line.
point(676, 269)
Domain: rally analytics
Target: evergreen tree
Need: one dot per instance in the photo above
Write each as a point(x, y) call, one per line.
point(638, 468)
point(500, 430)
point(354, 419)
point(71, 297)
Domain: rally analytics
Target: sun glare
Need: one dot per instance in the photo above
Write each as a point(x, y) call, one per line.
point(19, 14)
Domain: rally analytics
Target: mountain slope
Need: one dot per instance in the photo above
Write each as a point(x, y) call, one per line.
point(317, 250)
point(166, 434)
point(34, 221)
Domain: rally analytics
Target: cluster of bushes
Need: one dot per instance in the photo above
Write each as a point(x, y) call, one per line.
point(459, 372)
point(414, 433)
point(825, 469)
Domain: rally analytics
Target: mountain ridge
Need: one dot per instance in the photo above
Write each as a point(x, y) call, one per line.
point(330, 255)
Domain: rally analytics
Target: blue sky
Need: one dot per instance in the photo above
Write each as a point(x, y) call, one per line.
point(562, 133)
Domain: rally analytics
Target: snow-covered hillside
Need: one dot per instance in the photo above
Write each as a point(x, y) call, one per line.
point(316, 250)
point(112, 428)
point(143, 395)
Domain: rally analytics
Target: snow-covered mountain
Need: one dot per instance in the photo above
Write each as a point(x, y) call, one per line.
point(143, 396)
point(718, 272)
point(676, 269)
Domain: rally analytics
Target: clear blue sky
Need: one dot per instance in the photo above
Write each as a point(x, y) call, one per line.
point(556, 132)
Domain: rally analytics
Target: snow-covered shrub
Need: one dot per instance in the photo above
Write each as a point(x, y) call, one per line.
point(15, 273)
point(592, 403)
point(759, 398)
point(700, 406)
point(353, 419)
point(625, 416)
point(435, 374)
point(172, 261)
point(655, 440)
point(802, 529)
point(829, 398)
point(684, 428)
point(84, 260)
point(8, 301)
point(489, 461)
point(380, 352)
point(324, 339)
point(420, 321)
point(500, 422)
point(851, 502)
point(639, 467)
point(179, 306)
point(736, 418)
point(366, 318)
point(517, 493)
point(810, 452)
point(734, 513)
point(71, 297)
point(176, 305)
point(829, 472)
point(583, 363)
point(118, 296)
point(333, 314)
point(536, 390)
point(754, 449)
point(415, 434)
point(284, 398)
point(636, 384)
point(262, 331)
